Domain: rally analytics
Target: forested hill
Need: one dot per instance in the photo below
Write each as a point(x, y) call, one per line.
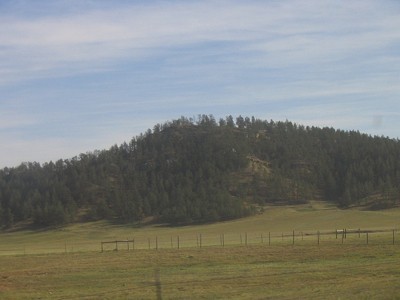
point(205, 170)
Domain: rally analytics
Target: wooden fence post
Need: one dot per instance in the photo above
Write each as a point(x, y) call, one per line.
point(158, 284)
point(245, 238)
point(293, 237)
point(200, 240)
point(318, 236)
point(178, 243)
point(367, 237)
point(269, 238)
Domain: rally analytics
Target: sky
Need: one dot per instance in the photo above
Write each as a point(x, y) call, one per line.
point(83, 75)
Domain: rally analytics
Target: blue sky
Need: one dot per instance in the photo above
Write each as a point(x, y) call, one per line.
point(81, 75)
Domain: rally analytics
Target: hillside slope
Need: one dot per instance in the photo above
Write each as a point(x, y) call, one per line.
point(189, 171)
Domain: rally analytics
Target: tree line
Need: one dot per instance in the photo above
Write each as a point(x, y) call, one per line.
point(204, 170)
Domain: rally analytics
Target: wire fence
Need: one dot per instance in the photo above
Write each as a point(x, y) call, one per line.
point(203, 240)
point(339, 236)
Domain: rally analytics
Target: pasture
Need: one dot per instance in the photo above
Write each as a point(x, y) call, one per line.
point(66, 263)
point(255, 272)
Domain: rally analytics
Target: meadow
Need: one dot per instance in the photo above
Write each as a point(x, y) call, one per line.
point(67, 263)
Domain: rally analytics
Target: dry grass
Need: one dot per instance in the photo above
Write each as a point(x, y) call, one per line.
point(256, 272)
point(66, 263)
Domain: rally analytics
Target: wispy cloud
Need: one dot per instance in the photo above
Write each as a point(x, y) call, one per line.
point(99, 70)
point(10, 120)
point(277, 34)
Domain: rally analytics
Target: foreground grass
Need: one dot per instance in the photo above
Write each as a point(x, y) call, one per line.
point(254, 272)
point(66, 263)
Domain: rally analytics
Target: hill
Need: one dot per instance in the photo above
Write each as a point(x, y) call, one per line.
point(193, 171)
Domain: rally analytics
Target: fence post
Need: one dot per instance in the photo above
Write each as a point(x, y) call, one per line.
point(178, 242)
point(245, 238)
point(318, 236)
point(241, 240)
point(116, 245)
point(359, 232)
point(133, 244)
point(102, 247)
point(269, 238)
point(158, 284)
point(367, 237)
point(393, 236)
point(293, 237)
point(200, 241)
point(156, 242)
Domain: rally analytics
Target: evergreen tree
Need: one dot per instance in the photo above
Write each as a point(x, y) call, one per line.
point(199, 170)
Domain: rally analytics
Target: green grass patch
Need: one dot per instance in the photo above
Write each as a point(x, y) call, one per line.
point(305, 220)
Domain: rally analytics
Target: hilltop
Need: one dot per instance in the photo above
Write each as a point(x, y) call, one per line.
point(195, 171)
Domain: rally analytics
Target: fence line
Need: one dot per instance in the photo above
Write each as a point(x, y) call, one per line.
point(203, 240)
point(117, 242)
point(347, 236)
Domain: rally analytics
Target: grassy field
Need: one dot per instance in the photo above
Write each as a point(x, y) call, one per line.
point(255, 272)
point(67, 263)
point(306, 219)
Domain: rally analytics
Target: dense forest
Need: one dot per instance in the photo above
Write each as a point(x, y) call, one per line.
point(204, 170)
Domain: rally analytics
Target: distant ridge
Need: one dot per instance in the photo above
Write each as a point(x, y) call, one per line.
point(204, 170)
